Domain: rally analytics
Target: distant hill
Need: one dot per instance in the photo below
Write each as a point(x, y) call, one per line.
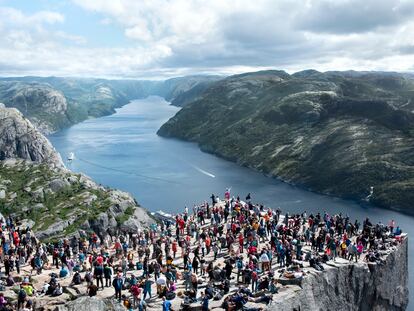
point(335, 132)
point(53, 103)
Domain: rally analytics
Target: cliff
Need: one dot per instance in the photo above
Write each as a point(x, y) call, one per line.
point(20, 139)
point(36, 188)
point(349, 287)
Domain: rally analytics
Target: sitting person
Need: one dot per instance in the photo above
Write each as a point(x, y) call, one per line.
point(57, 291)
point(77, 279)
point(10, 280)
point(64, 272)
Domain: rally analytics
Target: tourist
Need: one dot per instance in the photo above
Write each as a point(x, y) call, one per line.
point(117, 283)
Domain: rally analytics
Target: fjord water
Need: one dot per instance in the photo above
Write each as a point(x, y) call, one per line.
point(123, 151)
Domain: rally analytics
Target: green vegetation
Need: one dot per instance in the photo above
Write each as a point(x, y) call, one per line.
point(334, 132)
point(30, 194)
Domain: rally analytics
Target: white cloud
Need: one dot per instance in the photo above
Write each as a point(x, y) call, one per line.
point(198, 36)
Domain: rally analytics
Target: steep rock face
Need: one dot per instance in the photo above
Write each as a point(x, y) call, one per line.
point(45, 106)
point(357, 287)
point(20, 139)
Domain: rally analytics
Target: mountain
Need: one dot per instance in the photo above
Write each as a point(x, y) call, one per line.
point(54, 103)
point(38, 191)
point(337, 133)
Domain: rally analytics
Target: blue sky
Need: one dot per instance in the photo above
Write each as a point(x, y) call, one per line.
point(164, 38)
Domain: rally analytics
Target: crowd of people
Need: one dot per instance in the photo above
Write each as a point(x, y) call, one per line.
point(231, 252)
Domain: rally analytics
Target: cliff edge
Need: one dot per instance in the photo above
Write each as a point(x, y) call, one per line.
point(349, 287)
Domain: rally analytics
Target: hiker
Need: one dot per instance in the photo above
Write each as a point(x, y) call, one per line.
point(117, 283)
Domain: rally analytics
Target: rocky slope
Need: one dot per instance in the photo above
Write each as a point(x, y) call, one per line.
point(54, 103)
point(20, 139)
point(38, 190)
point(336, 133)
point(358, 287)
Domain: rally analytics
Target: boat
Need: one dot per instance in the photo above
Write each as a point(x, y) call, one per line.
point(71, 156)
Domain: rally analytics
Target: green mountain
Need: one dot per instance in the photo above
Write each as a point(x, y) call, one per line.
point(335, 132)
point(53, 103)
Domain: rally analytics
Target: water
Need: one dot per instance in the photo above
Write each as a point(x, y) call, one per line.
point(123, 151)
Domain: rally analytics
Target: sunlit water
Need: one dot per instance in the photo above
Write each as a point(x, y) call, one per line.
point(123, 151)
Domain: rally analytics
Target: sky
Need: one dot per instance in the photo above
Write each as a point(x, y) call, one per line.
point(158, 39)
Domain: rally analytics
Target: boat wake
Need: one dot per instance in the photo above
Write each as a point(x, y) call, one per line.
point(203, 171)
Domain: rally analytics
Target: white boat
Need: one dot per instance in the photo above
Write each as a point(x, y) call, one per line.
point(71, 156)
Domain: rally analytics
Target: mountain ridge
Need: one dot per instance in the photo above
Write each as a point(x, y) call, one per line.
point(334, 133)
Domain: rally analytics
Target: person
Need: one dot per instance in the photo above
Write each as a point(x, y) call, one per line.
point(166, 305)
point(147, 287)
point(64, 272)
point(21, 298)
point(204, 302)
point(98, 274)
point(3, 302)
point(77, 279)
point(107, 274)
point(92, 289)
point(135, 291)
point(142, 305)
point(117, 283)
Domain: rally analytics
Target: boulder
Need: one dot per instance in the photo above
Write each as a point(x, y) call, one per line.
point(91, 304)
point(2, 194)
point(57, 185)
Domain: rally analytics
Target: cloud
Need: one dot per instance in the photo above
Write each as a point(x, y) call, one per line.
point(165, 38)
point(353, 16)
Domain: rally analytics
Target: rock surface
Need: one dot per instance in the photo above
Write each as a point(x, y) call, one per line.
point(91, 304)
point(345, 287)
point(20, 139)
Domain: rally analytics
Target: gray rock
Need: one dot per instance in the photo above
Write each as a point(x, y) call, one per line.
point(20, 139)
point(38, 194)
point(58, 184)
point(91, 304)
point(352, 287)
point(2, 194)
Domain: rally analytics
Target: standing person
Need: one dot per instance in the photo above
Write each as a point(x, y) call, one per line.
point(17, 264)
point(108, 275)
point(117, 283)
point(136, 291)
point(21, 298)
point(147, 287)
point(204, 302)
point(98, 274)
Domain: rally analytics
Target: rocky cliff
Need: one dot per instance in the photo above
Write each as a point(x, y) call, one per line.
point(356, 287)
point(36, 188)
point(20, 139)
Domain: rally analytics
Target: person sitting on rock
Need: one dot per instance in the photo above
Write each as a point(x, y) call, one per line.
point(77, 279)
